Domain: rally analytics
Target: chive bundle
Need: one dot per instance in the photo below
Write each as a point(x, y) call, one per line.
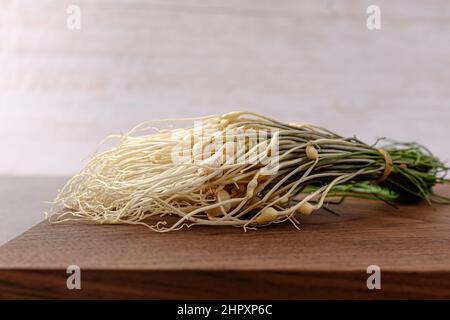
point(138, 181)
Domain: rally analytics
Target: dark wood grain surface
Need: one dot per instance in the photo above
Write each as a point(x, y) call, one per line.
point(328, 258)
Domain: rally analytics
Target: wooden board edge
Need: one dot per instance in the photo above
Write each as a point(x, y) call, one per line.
point(221, 285)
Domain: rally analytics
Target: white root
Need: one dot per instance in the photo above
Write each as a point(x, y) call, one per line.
point(137, 181)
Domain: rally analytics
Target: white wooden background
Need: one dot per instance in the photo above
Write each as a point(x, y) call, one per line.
point(62, 91)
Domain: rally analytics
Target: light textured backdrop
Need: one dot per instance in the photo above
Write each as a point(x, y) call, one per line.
point(62, 91)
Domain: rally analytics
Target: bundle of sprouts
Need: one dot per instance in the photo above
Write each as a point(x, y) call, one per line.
point(240, 169)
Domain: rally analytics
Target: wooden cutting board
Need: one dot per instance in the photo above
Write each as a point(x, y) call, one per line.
point(328, 258)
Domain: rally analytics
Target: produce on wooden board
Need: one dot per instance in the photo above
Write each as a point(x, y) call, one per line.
point(241, 169)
